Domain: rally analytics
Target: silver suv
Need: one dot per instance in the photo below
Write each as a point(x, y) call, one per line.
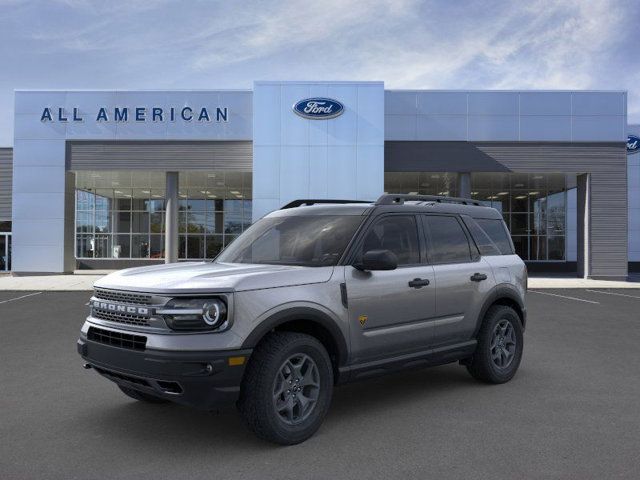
point(318, 293)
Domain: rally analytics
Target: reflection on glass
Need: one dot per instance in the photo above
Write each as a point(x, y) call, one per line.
point(157, 222)
point(102, 246)
point(121, 246)
point(214, 246)
point(195, 246)
point(422, 183)
point(156, 246)
point(538, 249)
point(139, 246)
point(533, 204)
point(556, 248)
point(84, 222)
point(122, 214)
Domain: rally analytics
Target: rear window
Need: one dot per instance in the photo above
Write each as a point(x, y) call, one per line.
point(447, 241)
point(496, 231)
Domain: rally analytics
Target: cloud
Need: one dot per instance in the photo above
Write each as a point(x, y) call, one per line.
point(444, 44)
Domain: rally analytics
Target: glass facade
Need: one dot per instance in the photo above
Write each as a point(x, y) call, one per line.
point(5, 246)
point(121, 215)
point(5, 252)
point(533, 204)
point(421, 183)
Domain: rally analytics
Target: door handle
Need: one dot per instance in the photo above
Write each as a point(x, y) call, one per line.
point(478, 277)
point(418, 282)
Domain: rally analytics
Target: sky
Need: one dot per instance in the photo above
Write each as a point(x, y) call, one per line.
point(438, 44)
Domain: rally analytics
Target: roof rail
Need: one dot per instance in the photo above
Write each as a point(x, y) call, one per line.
point(301, 202)
point(399, 199)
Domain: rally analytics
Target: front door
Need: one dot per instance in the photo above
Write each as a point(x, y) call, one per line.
point(389, 311)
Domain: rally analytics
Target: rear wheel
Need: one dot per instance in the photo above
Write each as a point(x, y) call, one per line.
point(141, 396)
point(500, 343)
point(287, 388)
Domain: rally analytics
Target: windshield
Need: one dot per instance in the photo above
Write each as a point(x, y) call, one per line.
point(309, 241)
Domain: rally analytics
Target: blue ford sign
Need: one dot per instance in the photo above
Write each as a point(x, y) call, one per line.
point(318, 108)
point(633, 144)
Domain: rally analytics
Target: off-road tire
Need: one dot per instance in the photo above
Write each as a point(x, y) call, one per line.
point(257, 402)
point(481, 365)
point(141, 396)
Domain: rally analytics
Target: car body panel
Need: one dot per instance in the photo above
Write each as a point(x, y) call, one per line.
point(459, 300)
point(386, 315)
point(210, 277)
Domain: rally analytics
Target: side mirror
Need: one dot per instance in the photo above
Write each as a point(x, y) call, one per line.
point(378, 260)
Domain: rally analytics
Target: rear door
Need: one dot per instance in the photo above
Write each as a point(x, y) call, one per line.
point(462, 278)
point(389, 311)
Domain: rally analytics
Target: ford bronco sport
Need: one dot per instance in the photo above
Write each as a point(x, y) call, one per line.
point(315, 294)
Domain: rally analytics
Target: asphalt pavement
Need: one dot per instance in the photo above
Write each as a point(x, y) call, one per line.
point(572, 411)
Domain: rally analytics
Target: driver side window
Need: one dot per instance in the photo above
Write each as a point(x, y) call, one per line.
point(396, 233)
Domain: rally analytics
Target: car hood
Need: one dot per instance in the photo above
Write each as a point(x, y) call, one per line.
point(192, 277)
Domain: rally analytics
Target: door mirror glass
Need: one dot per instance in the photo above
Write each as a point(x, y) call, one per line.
point(378, 260)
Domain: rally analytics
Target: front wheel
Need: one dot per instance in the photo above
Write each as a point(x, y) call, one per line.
point(287, 388)
point(500, 343)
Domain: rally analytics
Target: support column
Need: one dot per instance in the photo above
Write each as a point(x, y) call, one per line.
point(171, 230)
point(464, 184)
point(69, 222)
point(583, 227)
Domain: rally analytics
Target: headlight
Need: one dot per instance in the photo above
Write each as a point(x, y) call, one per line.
point(195, 313)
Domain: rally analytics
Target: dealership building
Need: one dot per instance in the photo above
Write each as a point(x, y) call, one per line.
point(110, 179)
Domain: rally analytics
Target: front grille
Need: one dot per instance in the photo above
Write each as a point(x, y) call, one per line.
point(124, 297)
point(117, 339)
point(127, 318)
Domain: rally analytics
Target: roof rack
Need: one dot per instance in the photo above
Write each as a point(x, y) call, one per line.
point(301, 202)
point(399, 199)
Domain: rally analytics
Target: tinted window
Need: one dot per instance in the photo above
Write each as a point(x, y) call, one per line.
point(484, 243)
point(497, 232)
point(447, 240)
point(310, 241)
point(395, 233)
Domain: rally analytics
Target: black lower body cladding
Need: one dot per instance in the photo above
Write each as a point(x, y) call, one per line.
point(204, 380)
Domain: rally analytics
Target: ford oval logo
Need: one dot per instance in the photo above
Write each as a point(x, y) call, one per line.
point(318, 108)
point(633, 144)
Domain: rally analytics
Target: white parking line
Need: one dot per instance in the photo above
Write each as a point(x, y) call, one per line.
point(564, 296)
point(614, 293)
point(23, 296)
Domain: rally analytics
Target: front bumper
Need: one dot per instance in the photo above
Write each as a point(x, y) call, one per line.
point(204, 380)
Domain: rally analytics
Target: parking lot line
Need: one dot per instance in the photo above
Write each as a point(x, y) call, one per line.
point(613, 293)
point(565, 296)
point(23, 296)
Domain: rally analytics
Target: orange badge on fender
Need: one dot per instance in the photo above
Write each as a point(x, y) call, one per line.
point(362, 319)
